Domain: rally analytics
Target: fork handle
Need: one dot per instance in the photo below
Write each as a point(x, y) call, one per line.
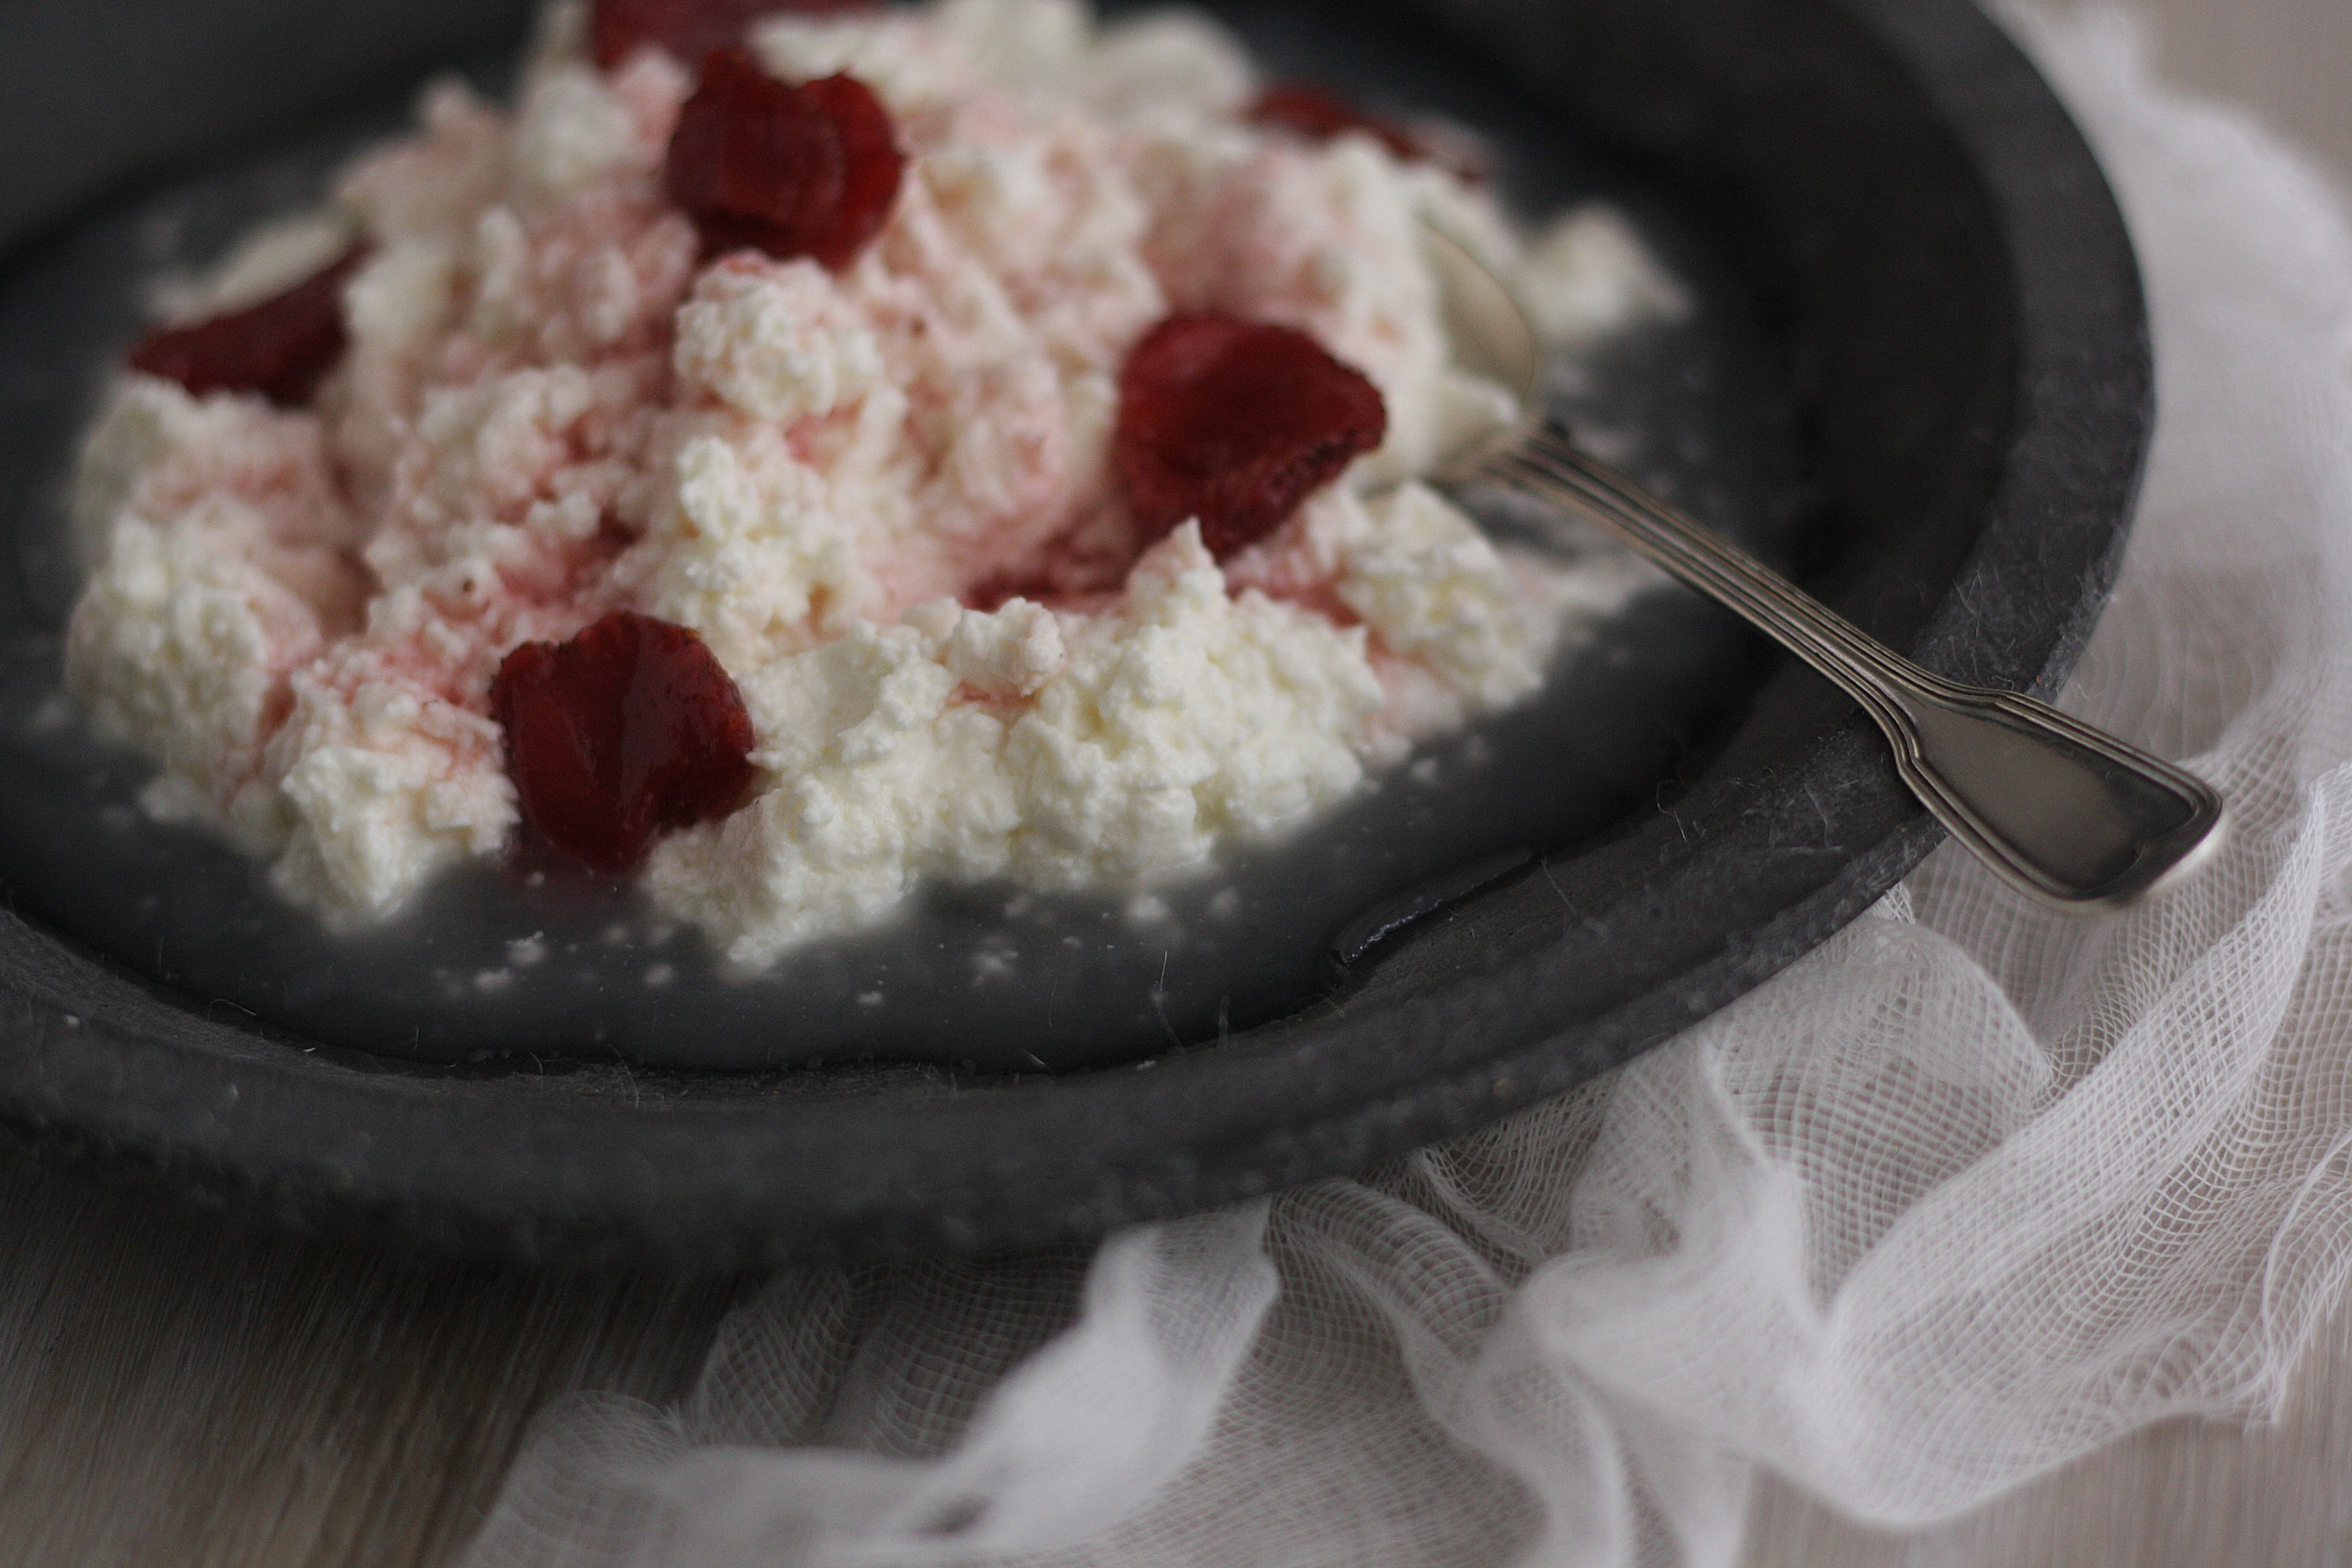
point(2062, 811)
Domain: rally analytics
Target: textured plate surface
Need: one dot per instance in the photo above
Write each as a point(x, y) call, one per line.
point(1952, 297)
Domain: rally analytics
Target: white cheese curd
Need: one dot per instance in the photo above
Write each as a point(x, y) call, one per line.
point(552, 405)
point(1130, 744)
point(1589, 274)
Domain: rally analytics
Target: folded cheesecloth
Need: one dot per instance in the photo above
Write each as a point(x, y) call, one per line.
point(1968, 1193)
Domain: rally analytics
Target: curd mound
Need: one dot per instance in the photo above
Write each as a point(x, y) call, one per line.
point(871, 478)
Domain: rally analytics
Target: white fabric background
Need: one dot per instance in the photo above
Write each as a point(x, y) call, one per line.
point(1965, 1194)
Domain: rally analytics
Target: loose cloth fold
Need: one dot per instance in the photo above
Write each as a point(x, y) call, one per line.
point(1966, 1193)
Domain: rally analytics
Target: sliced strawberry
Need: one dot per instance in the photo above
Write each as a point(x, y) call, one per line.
point(791, 171)
point(629, 729)
point(1235, 423)
point(871, 166)
point(280, 348)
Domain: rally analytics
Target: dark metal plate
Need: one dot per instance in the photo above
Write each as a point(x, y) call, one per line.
point(1902, 213)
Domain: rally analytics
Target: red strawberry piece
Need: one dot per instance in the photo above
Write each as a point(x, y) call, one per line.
point(630, 729)
point(280, 348)
point(871, 164)
point(1235, 423)
point(792, 171)
point(688, 29)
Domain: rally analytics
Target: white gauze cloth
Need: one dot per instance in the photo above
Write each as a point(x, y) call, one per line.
point(1966, 1193)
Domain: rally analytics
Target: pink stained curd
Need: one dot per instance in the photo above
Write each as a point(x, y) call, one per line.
point(553, 405)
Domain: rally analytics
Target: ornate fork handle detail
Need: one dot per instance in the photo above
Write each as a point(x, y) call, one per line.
point(2063, 812)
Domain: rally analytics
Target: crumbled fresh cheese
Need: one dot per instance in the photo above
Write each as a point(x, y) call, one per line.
point(1165, 62)
point(158, 454)
point(181, 642)
point(551, 406)
point(571, 131)
point(774, 343)
point(1025, 46)
point(381, 785)
point(750, 555)
point(1186, 717)
point(1435, 590)
point(1589, 274)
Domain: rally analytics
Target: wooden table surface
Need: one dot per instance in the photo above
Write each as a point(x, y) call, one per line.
point(201, 1393)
